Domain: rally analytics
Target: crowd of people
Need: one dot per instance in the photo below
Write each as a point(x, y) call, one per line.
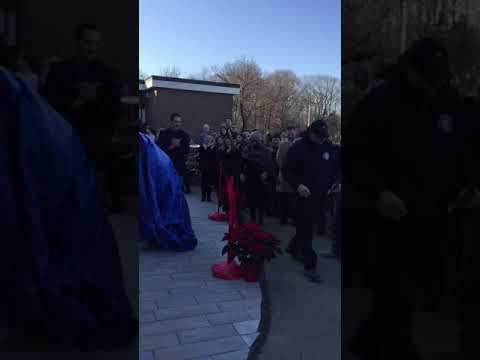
point(291, 175)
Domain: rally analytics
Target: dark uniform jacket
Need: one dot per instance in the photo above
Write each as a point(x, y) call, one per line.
point(396, 141)
point(312, 165)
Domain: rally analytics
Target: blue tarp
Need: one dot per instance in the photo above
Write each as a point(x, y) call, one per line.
point(164, 214)
point(59, 262)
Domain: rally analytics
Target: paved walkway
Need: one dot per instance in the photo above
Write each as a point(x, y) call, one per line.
point(185, 313)
point(303, 318)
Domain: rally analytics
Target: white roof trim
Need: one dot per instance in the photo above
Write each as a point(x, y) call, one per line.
point(174, 85)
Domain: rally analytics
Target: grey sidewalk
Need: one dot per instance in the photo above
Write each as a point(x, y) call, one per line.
point(304, 318)
point(185, 313)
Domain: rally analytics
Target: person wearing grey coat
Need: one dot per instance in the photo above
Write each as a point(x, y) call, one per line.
point(284, 190)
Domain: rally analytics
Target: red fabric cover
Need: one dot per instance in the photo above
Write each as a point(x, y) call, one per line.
point(221, 191)
point(227, 271)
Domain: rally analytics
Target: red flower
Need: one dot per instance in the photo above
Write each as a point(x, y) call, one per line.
point(252, 227)
point(258, 249)
point(263, 236)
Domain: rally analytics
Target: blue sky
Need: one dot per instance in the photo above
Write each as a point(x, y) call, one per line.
point(299, 35)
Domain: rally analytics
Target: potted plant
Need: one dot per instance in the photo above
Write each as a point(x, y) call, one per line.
point(251, 246)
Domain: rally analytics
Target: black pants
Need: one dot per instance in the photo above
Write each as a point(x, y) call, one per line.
point(469, 315)
point(257, 214)
point(186, 182)
point(206, 184)
point(113, 175)
point(321, 220)
point(307, 211)
point(408, 258)
point(335, 228)
point(284, 207)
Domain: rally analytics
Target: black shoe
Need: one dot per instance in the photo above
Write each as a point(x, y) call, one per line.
point(209, 198)
point(203, 198)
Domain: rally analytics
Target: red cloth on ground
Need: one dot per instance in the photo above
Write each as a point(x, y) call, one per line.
point(229, 270)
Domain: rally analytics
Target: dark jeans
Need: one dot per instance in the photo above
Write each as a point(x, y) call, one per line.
point(308, 210)
point(335, 228)
point(408, 258)
point(206, 184)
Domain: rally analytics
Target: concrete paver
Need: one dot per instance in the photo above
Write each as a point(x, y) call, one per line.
point(186, 313)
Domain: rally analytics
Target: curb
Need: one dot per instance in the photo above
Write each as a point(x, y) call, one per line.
point(265, 320)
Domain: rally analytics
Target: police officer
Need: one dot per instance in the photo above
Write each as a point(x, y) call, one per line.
point(311, 170)
point(404, 150)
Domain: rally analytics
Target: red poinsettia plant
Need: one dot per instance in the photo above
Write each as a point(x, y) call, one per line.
point(250, 245)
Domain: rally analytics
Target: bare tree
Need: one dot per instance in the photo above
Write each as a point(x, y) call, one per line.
point(206, 74)
point(170, 71)
point(248, 75)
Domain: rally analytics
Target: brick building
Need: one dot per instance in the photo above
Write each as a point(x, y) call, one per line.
point(198, 102)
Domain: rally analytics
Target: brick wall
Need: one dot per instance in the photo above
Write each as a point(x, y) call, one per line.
point(196, 108)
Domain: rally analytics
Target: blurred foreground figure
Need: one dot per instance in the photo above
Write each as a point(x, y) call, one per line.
point(405, 150)
point(164, 215)
point(60, 271)
point(87, 92)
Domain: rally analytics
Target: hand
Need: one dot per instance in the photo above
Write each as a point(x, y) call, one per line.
point(304, 191)
point(242, 178)
point(264, 176)
point(391, 207)
point(175, 143)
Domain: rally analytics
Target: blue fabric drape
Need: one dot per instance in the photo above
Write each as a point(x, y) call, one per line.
point(59, 262)
point(164, 214)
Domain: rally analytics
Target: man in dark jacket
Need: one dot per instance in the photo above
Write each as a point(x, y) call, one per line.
point(403, 149)
point(311, 170)
point(87, 93)
point(175, 142)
